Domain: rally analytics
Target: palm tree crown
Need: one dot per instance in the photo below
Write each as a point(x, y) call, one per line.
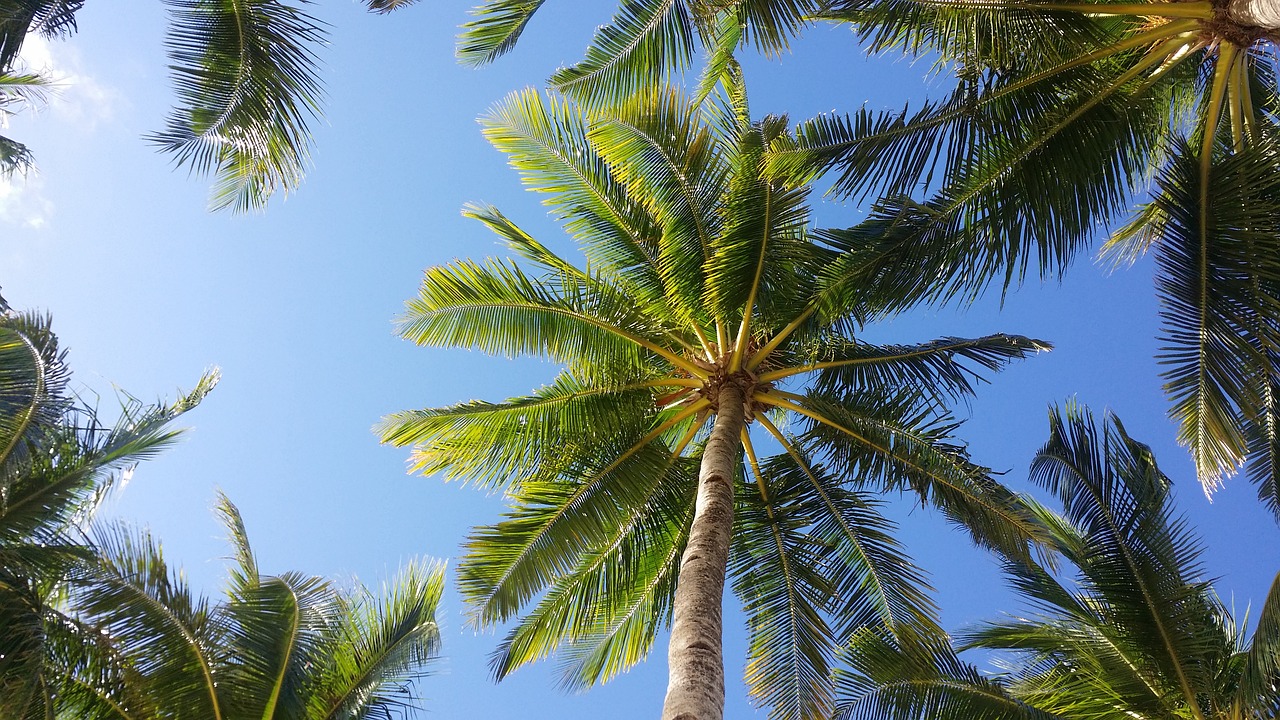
point(57, 460)
point(1062, 114)
point(714, 407)
point(1132, 631)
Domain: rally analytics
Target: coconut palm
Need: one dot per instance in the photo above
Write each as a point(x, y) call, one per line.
point(1062, 114)
point(246, 77)
point(1127, 627)
point(646, 43)
point(97, 628)
point(56, 461)
point(695, 337)
point(282, 646)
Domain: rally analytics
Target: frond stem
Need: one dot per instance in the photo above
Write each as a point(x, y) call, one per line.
point(278, 685)
point(777, 434)
point(781, 337)
point(30, 412)
point(1194, 10)
point(744, 330)
point(755, 468)
point(801, 369)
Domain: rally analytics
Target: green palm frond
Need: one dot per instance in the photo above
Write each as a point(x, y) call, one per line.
point(165, 632)
point(524, 434)
point(381, 643)
point(813, 562)
point(647, 41)
point(382, 7)
point(762, 243)
point(33, 397)
point(1137, 558)
point(50, 18)
point(1219, 286)
point(898, 442)
point(552, 524)
point(668, 160)
point(494, 31)
point(245, 73)
point(17, 90)
point(946, 368)
point(1128, 628)
point(497, 308)
point(603, 617)
point(1256, 692)
point(897, 680)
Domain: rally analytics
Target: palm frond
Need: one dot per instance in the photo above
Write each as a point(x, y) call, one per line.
point(553, 523)
point(49, 18)
point(381, 644)
point(945, 369)
point(603, 617)
point(898, 442)
point(521, 435)
point(897, 679)
point(1218, 285)
point(497, 308)
point(494, 31)
point(1256, 695)
point(1137, 557)
point(667, 160)
point(646, 42)
point(164, 631)
point(382, 7)
point(245, 75)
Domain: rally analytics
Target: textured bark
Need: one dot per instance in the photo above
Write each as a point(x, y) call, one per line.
point(695, 657)
point(1260, 13)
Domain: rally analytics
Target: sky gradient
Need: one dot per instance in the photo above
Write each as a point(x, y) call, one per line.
point(296, 306)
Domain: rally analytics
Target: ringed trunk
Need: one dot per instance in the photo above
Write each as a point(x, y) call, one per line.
point(695, 657)
point(1258, 13)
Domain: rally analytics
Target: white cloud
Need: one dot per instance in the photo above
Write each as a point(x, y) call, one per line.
point(76, 98)
point(76, 103)
point(23, 202)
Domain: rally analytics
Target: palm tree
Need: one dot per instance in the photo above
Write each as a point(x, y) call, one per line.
point(696, 337)
point(1062, 114)
point(246, 76)
point(98, 628)
point(1133, 630)
point(56, 461)
point(646, 43)
point(283, 646)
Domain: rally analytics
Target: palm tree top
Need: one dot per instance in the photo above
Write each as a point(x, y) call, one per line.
point(1123, 624)
point(701, 317)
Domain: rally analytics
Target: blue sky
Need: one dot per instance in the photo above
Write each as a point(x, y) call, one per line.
point(296, 307)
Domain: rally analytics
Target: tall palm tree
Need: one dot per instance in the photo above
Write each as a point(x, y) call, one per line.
point(1127, 628)
point(246, 76)
point(283, 646)
point(1062, 114)
point(56, 461)
point(714, 410)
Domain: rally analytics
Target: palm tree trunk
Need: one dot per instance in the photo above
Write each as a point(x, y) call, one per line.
point(695, 657)
point(1259, 13)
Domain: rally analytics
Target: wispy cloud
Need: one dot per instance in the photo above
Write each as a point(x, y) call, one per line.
point(78, 98)
point(76, 103)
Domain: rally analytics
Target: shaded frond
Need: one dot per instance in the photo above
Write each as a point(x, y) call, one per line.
point(245, 76)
